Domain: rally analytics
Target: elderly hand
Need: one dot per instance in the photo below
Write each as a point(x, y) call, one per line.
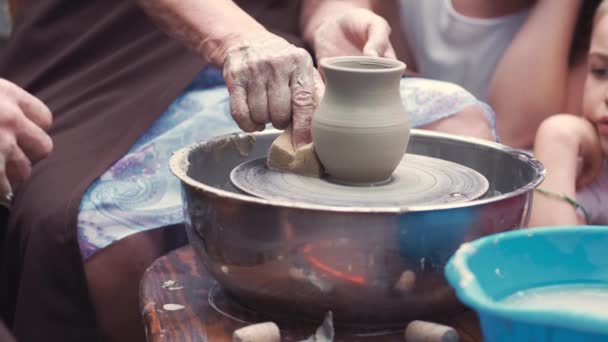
point(23, 119)
point(272, 81)
point(357, 31)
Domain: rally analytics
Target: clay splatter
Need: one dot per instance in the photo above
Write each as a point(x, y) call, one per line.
point(173, 307)
point(172, 285)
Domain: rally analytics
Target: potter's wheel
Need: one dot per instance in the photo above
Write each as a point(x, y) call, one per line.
point(417, 181)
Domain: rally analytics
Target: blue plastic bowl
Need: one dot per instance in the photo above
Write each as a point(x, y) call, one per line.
point(518, 281)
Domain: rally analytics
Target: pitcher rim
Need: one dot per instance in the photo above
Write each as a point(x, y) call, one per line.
point(388, 65)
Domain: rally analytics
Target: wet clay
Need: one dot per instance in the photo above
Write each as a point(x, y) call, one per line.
point(360, 129)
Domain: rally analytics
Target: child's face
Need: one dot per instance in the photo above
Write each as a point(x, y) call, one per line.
point(595, 98)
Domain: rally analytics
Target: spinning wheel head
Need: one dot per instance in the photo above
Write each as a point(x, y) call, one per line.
point(417, 181)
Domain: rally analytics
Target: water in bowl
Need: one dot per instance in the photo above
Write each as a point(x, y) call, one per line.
point(583, 298)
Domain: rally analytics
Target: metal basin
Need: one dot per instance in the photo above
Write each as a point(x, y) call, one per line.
point(371, 267)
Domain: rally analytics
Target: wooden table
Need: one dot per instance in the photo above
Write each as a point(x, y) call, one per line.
point(174, 299)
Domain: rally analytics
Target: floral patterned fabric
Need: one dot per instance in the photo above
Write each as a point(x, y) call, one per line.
point(139, 193)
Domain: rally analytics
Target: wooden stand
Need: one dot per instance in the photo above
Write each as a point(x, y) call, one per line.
point(174, 299)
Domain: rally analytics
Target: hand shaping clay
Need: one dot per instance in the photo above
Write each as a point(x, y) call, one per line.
point(284, 157)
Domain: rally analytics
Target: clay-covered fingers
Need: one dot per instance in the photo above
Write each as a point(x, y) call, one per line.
point(239, 108)
point(256, 76)
point(246, 79)
point(257, 101)
point(279, 97)
point(271, 81)
point(235, 75)
point(303, 101)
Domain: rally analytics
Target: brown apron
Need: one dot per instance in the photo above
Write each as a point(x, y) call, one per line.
point(106, 72)
point(5, 335)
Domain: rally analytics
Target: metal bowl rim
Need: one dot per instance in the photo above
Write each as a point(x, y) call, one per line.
point(179, 160)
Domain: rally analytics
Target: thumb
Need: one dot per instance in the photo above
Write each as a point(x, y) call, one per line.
point(378, 41)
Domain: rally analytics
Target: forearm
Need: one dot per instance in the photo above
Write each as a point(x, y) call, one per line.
point(550, 210)
point(207, 27)
point(559, 155)
point(546, 37)
point(314, 11)
point(560, 161)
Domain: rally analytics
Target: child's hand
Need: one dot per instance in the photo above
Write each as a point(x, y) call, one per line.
point(561, 139)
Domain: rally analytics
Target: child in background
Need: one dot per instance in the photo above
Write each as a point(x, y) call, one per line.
point(516, 55)
point(574, 149)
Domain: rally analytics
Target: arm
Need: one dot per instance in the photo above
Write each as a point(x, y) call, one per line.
point(537, 61)
point(209, 28)
point(561, 139)
point(269, 80)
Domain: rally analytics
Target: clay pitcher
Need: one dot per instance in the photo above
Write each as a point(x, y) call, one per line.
point(360, 129)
